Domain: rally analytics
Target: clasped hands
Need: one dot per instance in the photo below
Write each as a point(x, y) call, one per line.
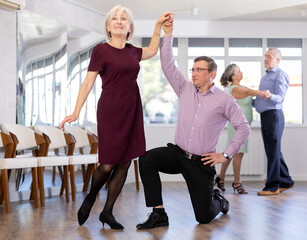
point(265, 94)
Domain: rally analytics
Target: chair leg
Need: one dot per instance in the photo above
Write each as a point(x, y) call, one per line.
point(35, 187)
point(72, 182)
point(5, 190)
point(53, 175)
point(136, 173)
point(88, 175)
point(18, 178)
point(61, 176)
point(66, 183)
point(83, 171)
point(41, 186)
point(1, 191)
point(8, 174)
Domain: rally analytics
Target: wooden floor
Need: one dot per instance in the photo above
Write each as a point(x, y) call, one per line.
point(250, 217)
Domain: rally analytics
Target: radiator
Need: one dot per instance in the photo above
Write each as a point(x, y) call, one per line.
point(253, 162)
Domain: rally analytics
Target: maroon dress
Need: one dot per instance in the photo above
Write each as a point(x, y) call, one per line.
point(119, 112)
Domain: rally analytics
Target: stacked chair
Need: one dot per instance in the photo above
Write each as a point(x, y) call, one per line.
point(56, 140)
point(46, 143)
point(83, 139)
point(16, 137)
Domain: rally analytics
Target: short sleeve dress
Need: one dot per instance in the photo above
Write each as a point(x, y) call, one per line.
point(246, 107)
point(119, 110)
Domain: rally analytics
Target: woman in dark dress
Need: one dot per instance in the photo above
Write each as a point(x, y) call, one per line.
point(119, 115)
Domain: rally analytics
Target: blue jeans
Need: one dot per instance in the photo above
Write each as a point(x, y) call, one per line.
point(272, 126)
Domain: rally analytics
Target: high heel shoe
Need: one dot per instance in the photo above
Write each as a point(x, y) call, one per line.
point(110, 220)
point(84, 210)
point(239, 188)
point(220, 183)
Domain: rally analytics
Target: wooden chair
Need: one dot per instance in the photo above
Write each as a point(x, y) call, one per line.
point(83, 139)
point(93, 130)
point(55, 140)
point(22, 138)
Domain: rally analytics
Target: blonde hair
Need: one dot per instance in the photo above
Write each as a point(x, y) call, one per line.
point(111, 13)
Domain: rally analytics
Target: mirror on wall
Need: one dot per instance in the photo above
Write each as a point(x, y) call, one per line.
point(52, 63)
point(42, 68)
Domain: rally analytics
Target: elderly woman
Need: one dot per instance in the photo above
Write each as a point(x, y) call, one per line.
point(231, 79)
point(119, 113)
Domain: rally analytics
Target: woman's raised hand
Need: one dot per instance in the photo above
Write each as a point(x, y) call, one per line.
point(166, 17)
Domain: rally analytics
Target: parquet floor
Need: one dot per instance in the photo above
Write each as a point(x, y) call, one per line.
point(251, 217)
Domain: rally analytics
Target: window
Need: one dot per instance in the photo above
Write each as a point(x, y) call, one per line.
point(146, 42)
point(206, 47)
point(44, 79)
point(247, 53)
point(293, 99)
point(158, 98)
point(288, 47)
point(245, 47)
point(77, 70)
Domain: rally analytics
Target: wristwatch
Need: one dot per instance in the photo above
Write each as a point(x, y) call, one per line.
point(226, 156)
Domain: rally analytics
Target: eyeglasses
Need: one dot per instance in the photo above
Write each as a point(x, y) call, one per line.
point(198, 70)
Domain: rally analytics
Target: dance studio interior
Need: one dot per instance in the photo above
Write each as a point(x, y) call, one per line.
point(46, 47)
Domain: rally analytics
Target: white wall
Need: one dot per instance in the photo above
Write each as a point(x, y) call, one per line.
point(229, 29)
point(8, 60)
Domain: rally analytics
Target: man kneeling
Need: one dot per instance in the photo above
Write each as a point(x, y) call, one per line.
point(203, 112)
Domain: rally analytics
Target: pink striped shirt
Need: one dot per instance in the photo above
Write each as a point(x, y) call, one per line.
point(202, 117)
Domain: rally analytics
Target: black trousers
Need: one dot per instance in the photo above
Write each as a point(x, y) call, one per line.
point(199, 179)
point(272, 126)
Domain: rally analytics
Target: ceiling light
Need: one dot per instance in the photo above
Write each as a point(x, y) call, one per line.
point(194, 11)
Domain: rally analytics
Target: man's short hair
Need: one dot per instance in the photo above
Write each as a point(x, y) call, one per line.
point(211, 63)
point(276, 51)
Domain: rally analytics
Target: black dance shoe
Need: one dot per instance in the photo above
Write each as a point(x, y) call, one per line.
point(110, 220)
point(220, 183)
point(218, 196)
point(85, 209)
point(154, 220)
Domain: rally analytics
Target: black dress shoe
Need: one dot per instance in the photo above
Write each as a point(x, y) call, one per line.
point(218, 196)
point(85, 210)
point(154, 220)
point(110, 220)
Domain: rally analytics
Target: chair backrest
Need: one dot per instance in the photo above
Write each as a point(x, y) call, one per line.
point(91, 129)
point(26, 136)
point(7, 143)
point(80, 135)
point(1, 142)
point(55, 135)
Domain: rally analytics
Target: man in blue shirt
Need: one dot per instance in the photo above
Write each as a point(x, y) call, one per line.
point(272, 123)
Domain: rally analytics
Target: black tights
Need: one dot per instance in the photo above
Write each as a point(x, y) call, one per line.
point(117, 175)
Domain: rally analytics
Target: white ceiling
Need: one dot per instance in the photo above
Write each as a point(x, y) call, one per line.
point(209, 10)
point(34, 28)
